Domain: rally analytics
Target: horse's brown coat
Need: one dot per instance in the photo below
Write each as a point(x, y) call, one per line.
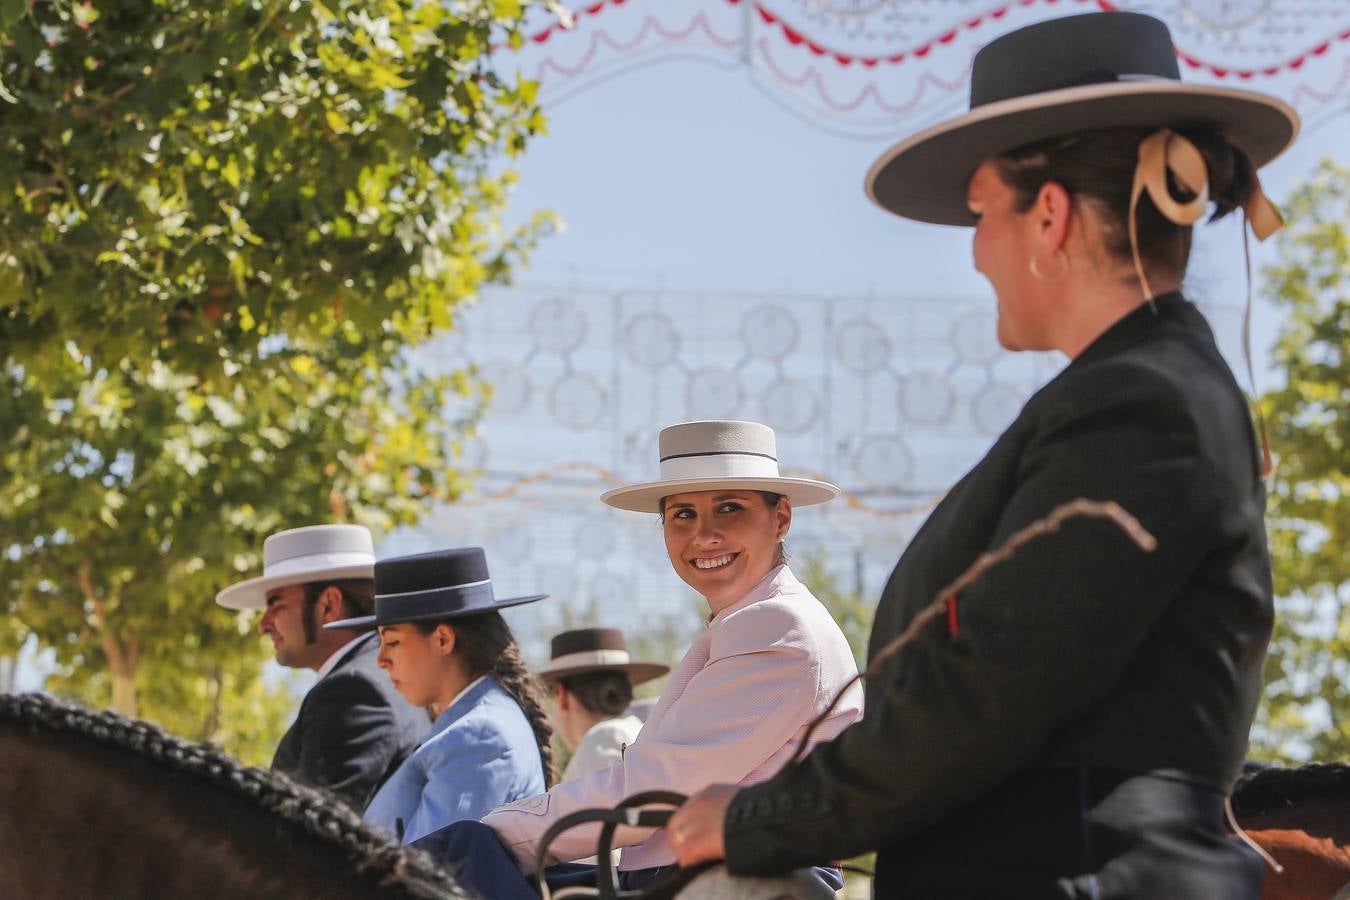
point(1312, 843)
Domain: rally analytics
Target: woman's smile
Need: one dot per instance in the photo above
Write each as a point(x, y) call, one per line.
point(721, 543)
point(716, 562)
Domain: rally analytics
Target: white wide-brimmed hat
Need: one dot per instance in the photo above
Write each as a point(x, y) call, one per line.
point(705, 456)
point(303, 555)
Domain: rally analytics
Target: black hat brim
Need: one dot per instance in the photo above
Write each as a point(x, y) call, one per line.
point(375, 621)
point(924, 177)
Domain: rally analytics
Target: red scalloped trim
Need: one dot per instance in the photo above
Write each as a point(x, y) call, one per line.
point(801, 39)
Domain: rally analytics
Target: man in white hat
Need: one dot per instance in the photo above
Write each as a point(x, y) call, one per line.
point(353, 729)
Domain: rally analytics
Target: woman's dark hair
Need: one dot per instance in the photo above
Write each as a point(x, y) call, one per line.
point(485, 643)
point(602, 693)
point(1099, 166)
point(771, 500)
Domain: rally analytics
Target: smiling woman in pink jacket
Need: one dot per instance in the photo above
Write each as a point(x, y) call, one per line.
point(767, 662)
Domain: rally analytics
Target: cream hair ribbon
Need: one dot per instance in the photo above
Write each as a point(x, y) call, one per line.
point(1166, 151)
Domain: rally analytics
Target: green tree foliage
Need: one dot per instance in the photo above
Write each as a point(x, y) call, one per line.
point(221, 227)
point(847, 607)
point(1307, 709)
point(129, 498)
point(184, 179)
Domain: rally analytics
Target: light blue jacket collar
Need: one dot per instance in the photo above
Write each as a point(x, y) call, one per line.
point(463, 703)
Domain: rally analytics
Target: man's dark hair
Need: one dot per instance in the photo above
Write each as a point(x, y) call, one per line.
point(358, 599)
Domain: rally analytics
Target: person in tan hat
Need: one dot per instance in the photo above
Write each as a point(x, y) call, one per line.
point(592, 678)
point(1069, 724)
point(353, 729)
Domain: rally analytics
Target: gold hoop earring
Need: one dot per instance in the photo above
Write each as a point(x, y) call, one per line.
point(1063, 269)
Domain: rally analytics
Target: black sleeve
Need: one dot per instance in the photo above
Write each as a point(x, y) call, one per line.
point(347, 738)
point(1041, 638)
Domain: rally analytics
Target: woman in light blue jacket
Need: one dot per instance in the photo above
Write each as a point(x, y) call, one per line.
point(446, 647)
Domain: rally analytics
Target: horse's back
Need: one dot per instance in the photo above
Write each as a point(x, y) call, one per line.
point(96, 805)
point(1301, 817)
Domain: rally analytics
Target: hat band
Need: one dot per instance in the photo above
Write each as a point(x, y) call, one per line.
point(590, 659)
point(448, 601)
point(997, 90)
point(718, 465)
point(317, 562)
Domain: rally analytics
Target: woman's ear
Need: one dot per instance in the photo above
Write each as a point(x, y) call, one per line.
point(445, 639)
point(1051, 215)
point(782, 515)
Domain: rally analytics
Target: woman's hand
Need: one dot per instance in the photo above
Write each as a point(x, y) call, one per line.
point(696, 828)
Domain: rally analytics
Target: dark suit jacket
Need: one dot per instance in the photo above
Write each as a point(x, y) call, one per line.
point(1080, 655)
point(353, 729)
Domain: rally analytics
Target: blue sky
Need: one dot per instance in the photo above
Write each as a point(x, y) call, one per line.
point(684, 174)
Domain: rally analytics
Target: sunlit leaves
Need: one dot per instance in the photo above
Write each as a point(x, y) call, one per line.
point(1307, 708)
point(222, 225)
point(169, 164)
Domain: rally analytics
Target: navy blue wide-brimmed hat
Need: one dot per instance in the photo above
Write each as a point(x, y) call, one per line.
point(444, 584)
point(1062, 77)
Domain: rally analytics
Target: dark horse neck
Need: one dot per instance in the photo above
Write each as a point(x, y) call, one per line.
point(1301, 817)
point(97, 805)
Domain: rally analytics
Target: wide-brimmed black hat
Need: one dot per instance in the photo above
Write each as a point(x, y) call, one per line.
point(444, 584)
point(585, 650)
point(1061, 77)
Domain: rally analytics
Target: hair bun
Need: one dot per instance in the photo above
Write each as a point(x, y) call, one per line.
point(1232, 177)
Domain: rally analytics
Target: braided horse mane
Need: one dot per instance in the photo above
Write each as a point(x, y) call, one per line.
point(97, 804)
point(1263, 789)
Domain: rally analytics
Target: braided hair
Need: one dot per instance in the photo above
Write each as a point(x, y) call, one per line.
point(487, 647)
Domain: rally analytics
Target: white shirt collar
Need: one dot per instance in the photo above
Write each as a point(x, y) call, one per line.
point(468, 687)
point(341, 653)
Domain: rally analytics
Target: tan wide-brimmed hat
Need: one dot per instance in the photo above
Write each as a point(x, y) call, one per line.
point(706, 456)
point(1062, 77)
point(313, 553)
point(586, 650)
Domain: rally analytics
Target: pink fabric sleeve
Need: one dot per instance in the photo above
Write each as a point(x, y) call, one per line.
point(755, 692)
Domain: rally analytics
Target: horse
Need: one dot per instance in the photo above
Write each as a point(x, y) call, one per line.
point(1301, 818)
point(97, 804)
point(93, 804)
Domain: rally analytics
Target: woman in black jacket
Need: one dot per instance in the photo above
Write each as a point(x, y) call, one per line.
point(1072, 726)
